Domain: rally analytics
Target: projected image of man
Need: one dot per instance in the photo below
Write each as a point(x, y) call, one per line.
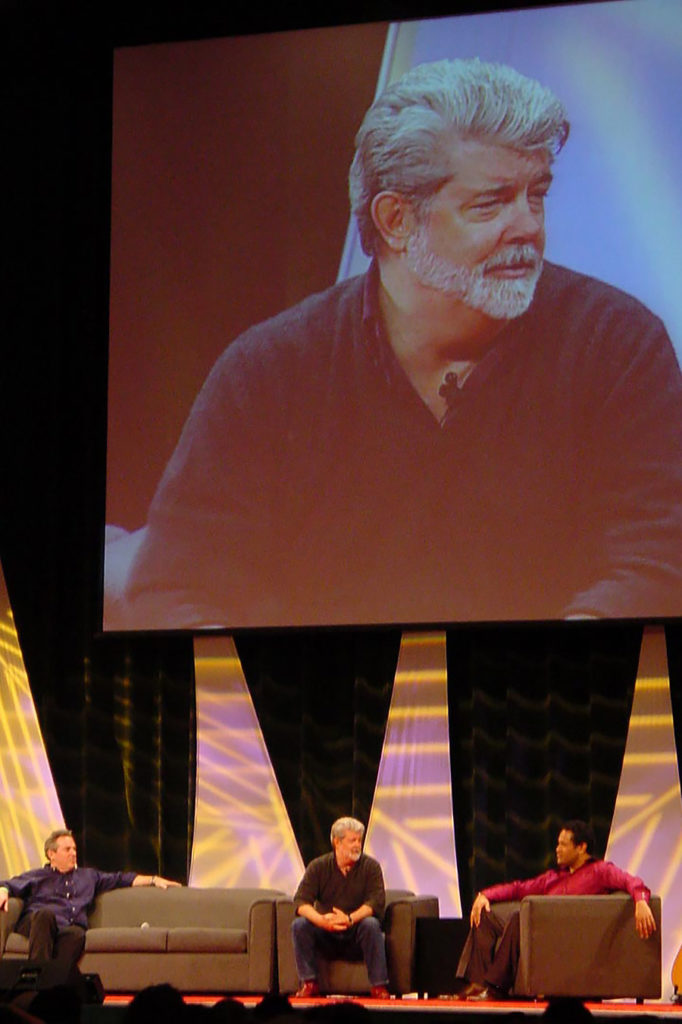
point(464, 432)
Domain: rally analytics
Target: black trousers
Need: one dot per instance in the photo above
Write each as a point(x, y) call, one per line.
point(495, 951)
point(47, 941)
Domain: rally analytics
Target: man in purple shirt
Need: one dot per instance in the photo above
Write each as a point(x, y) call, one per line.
point(57, 897)
point(492, 967)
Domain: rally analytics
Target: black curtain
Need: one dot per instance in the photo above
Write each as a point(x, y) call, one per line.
point(538, 723)
point(322, 700)
point(539, 718)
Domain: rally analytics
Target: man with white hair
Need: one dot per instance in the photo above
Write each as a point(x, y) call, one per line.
point(465, 432)
point(339, 909)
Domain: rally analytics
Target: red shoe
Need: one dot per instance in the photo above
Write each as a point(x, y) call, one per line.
point(379, 992)
point(308, 990)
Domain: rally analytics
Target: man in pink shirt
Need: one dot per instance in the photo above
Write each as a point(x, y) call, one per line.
point(491, 971)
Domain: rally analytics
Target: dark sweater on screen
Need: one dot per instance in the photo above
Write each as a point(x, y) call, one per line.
point(310, 474)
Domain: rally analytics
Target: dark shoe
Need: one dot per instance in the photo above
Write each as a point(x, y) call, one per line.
point(458, 987)
point(308, 990)
point(379, 992)
point(489, 994)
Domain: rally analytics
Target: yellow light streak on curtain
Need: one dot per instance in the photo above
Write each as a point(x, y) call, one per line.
point(411, 830)
point(646, 832)
point(242, 832)
point(29, 808)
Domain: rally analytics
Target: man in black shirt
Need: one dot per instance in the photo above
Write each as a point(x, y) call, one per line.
point(465, 432)
point(339, 908)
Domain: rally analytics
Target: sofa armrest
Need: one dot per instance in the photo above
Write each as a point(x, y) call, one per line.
point(610, 960)
point(400, 927)
point(287, 976)
point(262, 944)
point(8, 920)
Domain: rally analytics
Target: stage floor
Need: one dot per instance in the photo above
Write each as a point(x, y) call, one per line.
point(113, 1010)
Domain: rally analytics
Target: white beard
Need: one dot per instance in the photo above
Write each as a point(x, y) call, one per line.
point(497, 298)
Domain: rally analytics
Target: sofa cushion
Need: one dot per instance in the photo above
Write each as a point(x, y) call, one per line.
point(206, 940)
point(176, 908)
point(126, 940)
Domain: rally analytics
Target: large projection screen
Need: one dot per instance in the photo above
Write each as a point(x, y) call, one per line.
point(311, 485)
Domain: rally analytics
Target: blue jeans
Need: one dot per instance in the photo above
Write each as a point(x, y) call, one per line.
point(364, 939)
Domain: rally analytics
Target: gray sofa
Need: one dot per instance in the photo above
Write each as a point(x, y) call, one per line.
point(348, 976)
point(199, 940)
point(583, 946)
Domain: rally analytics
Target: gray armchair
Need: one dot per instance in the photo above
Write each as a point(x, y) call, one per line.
point(583, 946)
point(350, 977)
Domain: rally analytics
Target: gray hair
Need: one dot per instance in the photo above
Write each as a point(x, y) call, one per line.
point(51, 841)
point(343, 825)
point(406, 139)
